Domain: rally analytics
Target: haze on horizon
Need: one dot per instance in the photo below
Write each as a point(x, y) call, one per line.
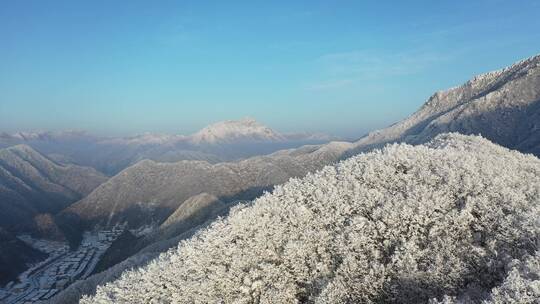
point(339, 67)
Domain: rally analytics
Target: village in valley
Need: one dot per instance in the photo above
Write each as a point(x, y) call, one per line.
point(62, 267)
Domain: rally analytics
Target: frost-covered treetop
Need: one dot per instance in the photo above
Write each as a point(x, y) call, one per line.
point(454, 220)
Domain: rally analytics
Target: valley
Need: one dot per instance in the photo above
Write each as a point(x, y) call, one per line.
point(44, 280)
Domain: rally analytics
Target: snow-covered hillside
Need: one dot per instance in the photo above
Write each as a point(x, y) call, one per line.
point(455, 219)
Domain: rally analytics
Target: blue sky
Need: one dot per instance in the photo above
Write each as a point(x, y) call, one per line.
point(340, 67)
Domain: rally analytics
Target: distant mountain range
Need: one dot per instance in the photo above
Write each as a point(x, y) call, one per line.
point(222, 141)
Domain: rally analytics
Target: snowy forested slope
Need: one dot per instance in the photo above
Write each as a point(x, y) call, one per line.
point(456, 218)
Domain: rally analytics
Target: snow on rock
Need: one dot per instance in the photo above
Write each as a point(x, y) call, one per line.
point(454, 220)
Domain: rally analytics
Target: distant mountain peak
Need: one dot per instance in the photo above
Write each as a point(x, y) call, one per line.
point(246, 129)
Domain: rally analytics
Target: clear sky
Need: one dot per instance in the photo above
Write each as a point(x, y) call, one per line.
point(340, 67)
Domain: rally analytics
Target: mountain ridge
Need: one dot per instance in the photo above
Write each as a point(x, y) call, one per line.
point(486, 93)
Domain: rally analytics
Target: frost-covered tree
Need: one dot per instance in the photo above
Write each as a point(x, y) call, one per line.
point(522, 283)
point(453, 221)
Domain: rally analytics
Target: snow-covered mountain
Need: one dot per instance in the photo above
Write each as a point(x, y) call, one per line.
point(455, 219)
point(229, 131)
point(222, 141)
point(503, 106)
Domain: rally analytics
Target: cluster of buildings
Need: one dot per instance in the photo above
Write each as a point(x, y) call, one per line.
point(44, 280)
